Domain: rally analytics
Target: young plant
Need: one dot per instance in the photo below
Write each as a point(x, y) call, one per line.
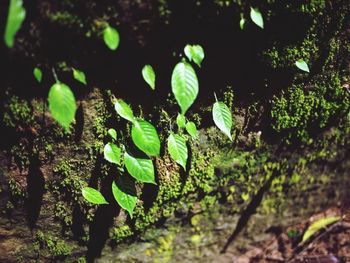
point(145, 136)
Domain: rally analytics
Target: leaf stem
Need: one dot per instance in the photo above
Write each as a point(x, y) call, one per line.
point(55, 75)
point(216, 98)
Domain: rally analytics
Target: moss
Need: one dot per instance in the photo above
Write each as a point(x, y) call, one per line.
point(57, 248)
point(17, 112)
point(20, 155)
point(301, 109)
point(66, 19)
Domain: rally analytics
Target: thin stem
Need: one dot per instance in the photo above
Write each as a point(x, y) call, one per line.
point(54, 74)
point(216, 98)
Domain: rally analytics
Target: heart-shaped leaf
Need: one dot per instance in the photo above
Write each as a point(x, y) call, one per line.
point(112, 133)
point(195, 53)
point(112, 153)
point(111, 37)
point(184, 85)
point(145, 137)
point(181, 121)
point(149, 76)
point(256, 17)
point(222, 118)
point(318, 225)
point(191, 129)
point(141, 169)
point(62, 104)
point(178, 149)
point(124, 110)
point(93, 196)
point(38, 74)
point(301, 64)
point(124, 193)
point(79, 76)
point(15, 18)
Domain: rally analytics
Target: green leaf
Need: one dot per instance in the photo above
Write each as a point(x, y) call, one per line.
point(318, 225)
point(191, 129)
point(301, 64)
point(112, 133)
point(149, 76)
point(141, 169)
point(112, 153)
point(93, 196)
point(222, 118)
point(178, 149)
point(195, 53)
point(256, 17)
point(145, 137)
point(184, 85)
point(111, 37)
point(38, 74)
point(79, 76)
point(62, 104)
point(242, 23)
point(124, 110)
point(124, 193)
point(15, 18)
point(181, 121)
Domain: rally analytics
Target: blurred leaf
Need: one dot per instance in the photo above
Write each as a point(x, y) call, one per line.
point(181, 121)
point(111, 37)
point(242, 23)
point(256, 17)
point(195, 53)
point(112, 133)
point(79, 76)
point(301, 64)
point(318, 225)
point(15, 18)
point(38, 74)
point(149, 76)
point(191, 129)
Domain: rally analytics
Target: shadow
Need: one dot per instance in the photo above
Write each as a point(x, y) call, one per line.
point(104, 216)
point(35, 190)
point(99, 230)
point(79, 126)
point(249, 211)
point(78, 220)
